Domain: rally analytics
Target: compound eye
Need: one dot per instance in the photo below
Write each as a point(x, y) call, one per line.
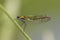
point(18, 17)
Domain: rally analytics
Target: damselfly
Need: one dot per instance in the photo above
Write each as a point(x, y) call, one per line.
point(32, 18)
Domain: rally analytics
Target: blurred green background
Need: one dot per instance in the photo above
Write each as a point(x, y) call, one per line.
point(37, 31)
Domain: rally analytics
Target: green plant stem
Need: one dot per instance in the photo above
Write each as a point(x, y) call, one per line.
point(17, 25)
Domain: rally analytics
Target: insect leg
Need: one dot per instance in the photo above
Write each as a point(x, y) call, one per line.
point(24, 26)
point(23, 22)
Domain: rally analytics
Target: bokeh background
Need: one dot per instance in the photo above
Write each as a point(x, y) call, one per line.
point(37, 31)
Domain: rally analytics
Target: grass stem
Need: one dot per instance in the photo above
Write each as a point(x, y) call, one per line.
point(14, 21)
